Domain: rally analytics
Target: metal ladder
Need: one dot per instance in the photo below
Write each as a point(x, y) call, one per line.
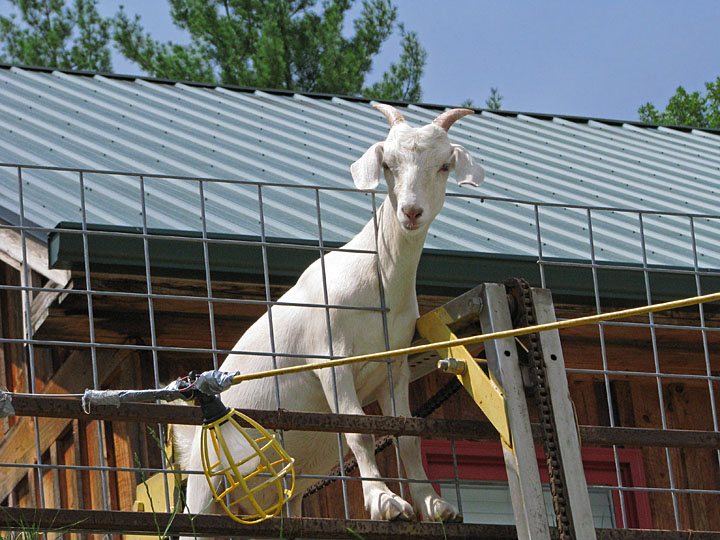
point(501, 394)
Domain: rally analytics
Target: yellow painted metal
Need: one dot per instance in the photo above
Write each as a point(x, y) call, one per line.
point(252, 481)
point(150, 493)
point(471, 340)
point(486, 392)
point(152, 489)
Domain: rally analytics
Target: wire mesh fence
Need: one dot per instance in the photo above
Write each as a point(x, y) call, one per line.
point(146, 278)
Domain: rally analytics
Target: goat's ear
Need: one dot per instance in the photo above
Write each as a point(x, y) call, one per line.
point(366, 170)
point(466, 170)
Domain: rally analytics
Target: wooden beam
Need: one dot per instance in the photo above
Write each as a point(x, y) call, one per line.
point(75, 375)
point(4, 422)
point(11, 326)
point(42, 301)
point(11, 252)
point(125, 437)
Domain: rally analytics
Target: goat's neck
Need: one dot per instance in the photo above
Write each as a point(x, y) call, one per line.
point(399, 253)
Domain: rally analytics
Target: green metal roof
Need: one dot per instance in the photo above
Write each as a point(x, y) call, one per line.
point(542, 170)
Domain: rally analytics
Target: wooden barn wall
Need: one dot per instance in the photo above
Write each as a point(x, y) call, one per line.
point(186, 323)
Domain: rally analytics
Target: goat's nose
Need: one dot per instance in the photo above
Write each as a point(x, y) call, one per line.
point(412, 212)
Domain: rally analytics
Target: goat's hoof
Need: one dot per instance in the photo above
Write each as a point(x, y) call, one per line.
point(390, 507)
point(441, 510)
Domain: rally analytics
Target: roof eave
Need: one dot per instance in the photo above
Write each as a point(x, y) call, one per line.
point(441, 272)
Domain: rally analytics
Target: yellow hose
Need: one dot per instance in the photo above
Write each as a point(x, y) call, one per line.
point(480, 338)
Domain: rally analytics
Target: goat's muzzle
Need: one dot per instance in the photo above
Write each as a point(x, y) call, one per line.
point(412, 213)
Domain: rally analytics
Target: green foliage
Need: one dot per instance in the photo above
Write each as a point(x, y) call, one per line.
point(494, 102)
point(356, 535)
point(687, 109)
point(32, 531)
point(402, 81)
point(50, 34)
point(166, 60)
point(441, 521)
point(288, 44)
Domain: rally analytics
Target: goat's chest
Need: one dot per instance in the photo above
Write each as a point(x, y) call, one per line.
point(362, 332)
point(374, 335)
point(374, 376)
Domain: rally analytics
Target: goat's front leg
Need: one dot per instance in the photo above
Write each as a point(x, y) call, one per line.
point(379, 500)
point(426, 501)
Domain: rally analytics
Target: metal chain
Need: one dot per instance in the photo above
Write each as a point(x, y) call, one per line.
point(519, 290)
point(425, 410)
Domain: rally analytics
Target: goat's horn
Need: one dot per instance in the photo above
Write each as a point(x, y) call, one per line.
point(391, 113)
point(448, 118)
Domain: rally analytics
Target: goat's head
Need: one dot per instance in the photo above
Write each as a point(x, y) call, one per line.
point(416, 163)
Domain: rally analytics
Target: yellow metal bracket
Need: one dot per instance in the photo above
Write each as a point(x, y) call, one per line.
point(489, 396)
point(150, 493)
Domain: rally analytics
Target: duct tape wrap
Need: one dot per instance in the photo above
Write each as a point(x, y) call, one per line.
point(210, 382)
point(214, 382)
point(116, 397)
point(6, 408)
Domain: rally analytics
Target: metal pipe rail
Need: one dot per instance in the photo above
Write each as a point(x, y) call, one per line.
point(58, 407)
point(105, 521)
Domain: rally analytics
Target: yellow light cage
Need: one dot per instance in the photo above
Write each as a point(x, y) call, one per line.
point(259, 472)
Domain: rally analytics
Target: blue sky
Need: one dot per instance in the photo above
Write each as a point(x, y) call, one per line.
point(599, 58)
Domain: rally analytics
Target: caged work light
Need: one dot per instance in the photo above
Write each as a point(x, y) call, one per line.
point(245, 465)
point(249, 473)
point(253, 472)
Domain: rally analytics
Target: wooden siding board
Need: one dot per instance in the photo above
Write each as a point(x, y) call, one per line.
point(688, 405)
point(18, 445)
point(125, 437)
point(4, 369)
point(12, 328)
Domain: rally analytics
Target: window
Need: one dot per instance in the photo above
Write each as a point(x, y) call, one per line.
point(486, 499)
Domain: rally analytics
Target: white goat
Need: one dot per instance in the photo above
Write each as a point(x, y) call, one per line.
point(416, 163)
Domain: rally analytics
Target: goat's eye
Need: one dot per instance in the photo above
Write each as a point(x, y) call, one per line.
point(445, 167)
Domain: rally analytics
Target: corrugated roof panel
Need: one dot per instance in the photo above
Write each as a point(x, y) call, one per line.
point(174, 151)
point(646, 153)
point(706, 242)
point(142, 126)
point(290, 151)
point(607, 151)
point(613, 155)
point(694, 140)
point(564, 162)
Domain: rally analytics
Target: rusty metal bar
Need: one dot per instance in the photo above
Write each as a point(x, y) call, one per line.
point(64, 520)
point(639, 437)
point(104, 521)
point(654, 534)
point(55, 407)
point(281, 419)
